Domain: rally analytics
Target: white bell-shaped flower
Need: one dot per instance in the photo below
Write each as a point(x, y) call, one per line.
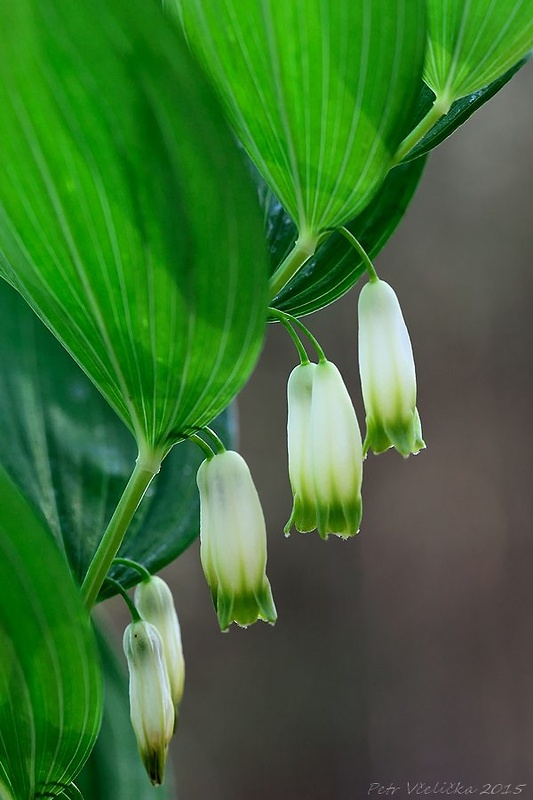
point(155, 604)
point(325, 452)
point(387, 370)
point(151, 706)
point(233, 541)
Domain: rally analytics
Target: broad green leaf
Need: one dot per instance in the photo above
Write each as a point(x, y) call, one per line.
point(71, 456)
point(50, 690)
point(318, 92)
point(127, 219)
point(114, 770)
point(474, 42)
point(336, 266)
point(458, 114)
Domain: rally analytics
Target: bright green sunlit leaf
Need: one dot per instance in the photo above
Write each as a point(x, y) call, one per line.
point(127, 219)
point(474, 42)
point(319, 92)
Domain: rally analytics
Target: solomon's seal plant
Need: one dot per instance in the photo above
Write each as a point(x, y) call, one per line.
point(172, 181)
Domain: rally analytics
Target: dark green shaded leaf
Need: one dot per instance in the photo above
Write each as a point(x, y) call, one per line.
point(458, 114)
point(127, 218)
point(318, 92)
point(50, 690)
point(71, 456)
point(336, 266)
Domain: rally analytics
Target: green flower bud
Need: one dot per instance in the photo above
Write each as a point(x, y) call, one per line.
point(155, 604)
point(387, 370)
point(325, 452)
point(151, 707)
point(233, 541)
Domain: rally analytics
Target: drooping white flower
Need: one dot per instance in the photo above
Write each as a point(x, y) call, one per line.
point(151, 706)
point(325, 452)
point(155, 604)
point(233, 541)
point(387, 370)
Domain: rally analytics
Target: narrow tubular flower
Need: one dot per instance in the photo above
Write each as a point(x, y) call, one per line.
point(325, 452)
point(233, 541)
point(155, 604)
point(387, 370)
point(151, 707)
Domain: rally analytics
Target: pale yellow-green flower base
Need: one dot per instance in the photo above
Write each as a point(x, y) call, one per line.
point(245, 607)
point(336, 518)
point(405, 435)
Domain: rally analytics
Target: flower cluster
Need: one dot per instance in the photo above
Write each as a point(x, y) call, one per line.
point(326, 455)
point(325, 458)
point(152, 645)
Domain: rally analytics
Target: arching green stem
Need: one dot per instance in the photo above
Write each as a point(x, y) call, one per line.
point(221, 447)
point(127, 562)
point(284, 319)
point(136, 617)
point(289, 321)
point(201, 444)
point(372, 274)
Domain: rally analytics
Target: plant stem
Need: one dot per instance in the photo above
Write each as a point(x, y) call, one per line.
point(284, 319)
point(128, 562)
point(288, 321)
point(208, 452)
point(372, 274)
point(136, 617)
point(303, 249)
point(140, 479)
point(221, 447)
point(439, 109)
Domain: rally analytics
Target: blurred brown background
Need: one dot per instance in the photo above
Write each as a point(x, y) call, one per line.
point(407, 653)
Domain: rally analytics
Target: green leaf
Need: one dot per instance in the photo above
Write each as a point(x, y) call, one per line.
point(459, 112)
point(50, 690)
point(127, 219)
point(114, 770)
point(71, 456)
point(336, 266)
point(318, 92)
point(474, 42)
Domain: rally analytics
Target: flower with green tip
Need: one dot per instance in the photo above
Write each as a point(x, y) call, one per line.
point(387, 370)
point(233, 541)
point(155, 604)
point(325, 452)
point(151, 706)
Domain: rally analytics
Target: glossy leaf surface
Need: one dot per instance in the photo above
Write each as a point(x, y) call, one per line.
point(71, 456)
point(127, 218)
point(336, 266)
point(50, 690)
point(318, 92)
point(114, 770)
point(458, 114)
point(474, 42)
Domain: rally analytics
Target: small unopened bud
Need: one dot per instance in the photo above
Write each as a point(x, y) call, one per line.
point(387, 368)
point(233, 541)
point(325, 452)
point(155, 604)
point(151, 707)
